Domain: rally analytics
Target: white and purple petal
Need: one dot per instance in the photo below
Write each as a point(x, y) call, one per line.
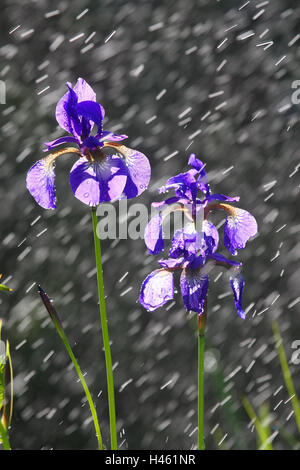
point(239, 227)
point(157, 289)
point(153, 235)
point(40, 183)
point(194, 288)
point(98, 181)
point(237, 285)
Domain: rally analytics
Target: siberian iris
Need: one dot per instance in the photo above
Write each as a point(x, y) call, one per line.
point(193, 252)
point(105, 170)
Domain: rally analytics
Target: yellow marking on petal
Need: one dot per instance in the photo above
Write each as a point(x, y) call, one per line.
point(53, 156)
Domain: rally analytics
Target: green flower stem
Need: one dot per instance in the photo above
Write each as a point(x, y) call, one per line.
point(201, 345)
point(105, 335)
point(84, 384)
point(4, 437)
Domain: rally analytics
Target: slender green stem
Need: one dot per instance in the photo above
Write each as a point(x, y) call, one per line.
point(105, 335)
point(59, 328)
point(4, 437)
point(85, 387)
point(201, 346)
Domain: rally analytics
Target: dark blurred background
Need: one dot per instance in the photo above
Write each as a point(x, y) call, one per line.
point(216, 79)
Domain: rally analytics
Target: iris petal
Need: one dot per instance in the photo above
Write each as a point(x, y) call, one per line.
point(154, 235)
point(194, 287)
point(84, 91)
point(237, 285)
point(98, 181)
point(239, 227)
point(137, 167)
point(157, 289)
point(40, 183)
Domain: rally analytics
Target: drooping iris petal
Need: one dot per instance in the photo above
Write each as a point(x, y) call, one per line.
point(98, 181)
point(194, 287)
point(138, 171)
point(237, 285)
point(157, 289)
point(61, 140)
point(154, 235)
point(40, 183)
point(239, 227)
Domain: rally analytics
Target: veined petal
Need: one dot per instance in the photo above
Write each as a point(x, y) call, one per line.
point(211, 237)
point(157, 289)
point(237, 285)
point(239, 227)
point(154, 235)
point(98, 181)
point(137, 167)
point(194, 287)
point(61, 140)
point(40, 182)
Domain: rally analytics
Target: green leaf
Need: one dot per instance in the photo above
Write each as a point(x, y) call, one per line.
point(286, 373)
point(263, 432)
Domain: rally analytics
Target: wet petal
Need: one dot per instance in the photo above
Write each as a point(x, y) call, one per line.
point(40, 183)
point(184, 185)
point(96, 182)
point(61, 140)
point(239, 227)
point(157, 289)
point(237, 285)
point(194, 287)
point(138, 171)
point(154, 235)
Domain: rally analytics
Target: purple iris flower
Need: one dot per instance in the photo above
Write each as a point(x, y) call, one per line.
point(193, 252)
point(106, 170)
